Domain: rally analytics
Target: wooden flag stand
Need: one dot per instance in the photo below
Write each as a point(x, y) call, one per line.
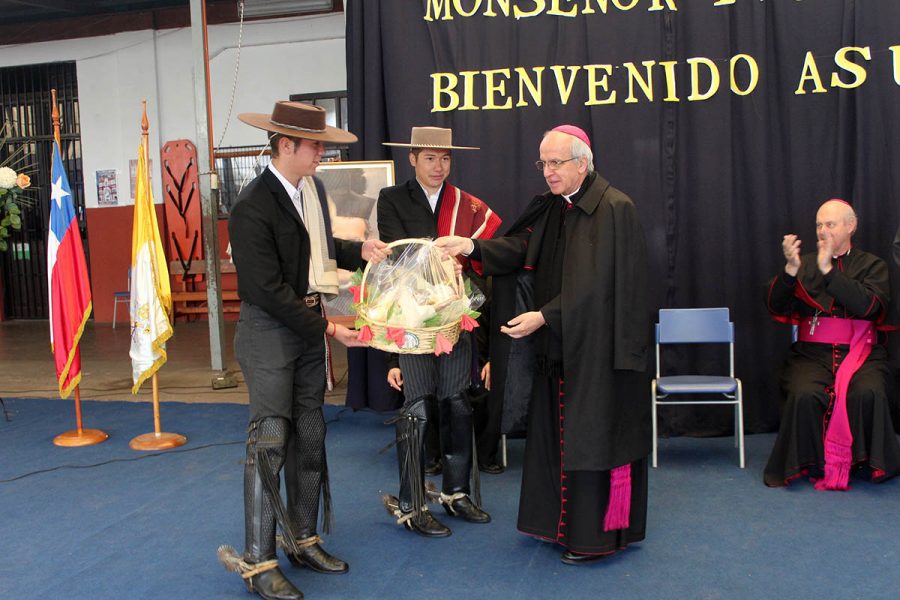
point(79, 436)
point(157, 440)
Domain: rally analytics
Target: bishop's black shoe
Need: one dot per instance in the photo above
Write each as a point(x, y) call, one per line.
point(464, 508)
point(314, 557)
point(577, 558)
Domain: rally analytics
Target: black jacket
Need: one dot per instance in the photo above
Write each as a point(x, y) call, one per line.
point(404, 212)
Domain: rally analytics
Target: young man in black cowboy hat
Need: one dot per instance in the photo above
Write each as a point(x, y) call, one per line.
point(286, 258)
point(428, 206)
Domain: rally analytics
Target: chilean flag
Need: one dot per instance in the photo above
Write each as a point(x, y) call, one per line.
point(67, 280)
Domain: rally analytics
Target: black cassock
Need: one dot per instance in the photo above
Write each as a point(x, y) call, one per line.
point(856, 288)
point(589, 406)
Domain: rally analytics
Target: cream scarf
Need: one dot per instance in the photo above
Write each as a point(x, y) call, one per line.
point(323, 277)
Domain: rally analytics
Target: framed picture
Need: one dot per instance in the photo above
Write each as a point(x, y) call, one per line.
point(353, 188)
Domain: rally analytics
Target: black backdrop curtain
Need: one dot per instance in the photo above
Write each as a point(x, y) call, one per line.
point(717, 181)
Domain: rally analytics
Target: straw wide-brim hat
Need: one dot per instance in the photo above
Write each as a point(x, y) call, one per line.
point(438, 138)
point(298, 119)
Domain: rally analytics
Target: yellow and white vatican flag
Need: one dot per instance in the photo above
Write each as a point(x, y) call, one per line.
point(151, 295)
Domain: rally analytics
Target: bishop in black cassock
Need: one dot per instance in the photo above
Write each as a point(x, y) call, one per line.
point(576, 259)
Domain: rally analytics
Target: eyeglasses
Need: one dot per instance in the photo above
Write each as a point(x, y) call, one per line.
point(553, 165)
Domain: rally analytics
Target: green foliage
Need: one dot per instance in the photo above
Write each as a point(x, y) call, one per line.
point(11, 214)
point(432, 321)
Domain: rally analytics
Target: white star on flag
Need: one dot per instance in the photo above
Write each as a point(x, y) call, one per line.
point(59, 192)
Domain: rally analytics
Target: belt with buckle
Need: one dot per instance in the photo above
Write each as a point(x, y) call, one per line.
point(312, 300)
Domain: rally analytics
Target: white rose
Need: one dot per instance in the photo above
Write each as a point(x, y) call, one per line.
point(7, 178)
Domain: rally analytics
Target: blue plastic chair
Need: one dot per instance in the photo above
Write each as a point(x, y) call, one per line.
point(122, 296)
point(698, 326)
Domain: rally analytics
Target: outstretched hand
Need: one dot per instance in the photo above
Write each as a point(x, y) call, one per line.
point(524, 324)
point(374, 251)
point(348, 337)
point(454, 245)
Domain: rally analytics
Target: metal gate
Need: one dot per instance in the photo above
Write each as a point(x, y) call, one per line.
point(25, 104)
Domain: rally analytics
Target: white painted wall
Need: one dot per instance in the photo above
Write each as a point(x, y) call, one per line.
point(277, 58)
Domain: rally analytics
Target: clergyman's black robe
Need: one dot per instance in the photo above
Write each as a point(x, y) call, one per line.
point(856, 288)
point(590, 403)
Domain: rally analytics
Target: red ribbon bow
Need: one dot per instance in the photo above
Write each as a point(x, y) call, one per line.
point(442, 345)
point(396, 334)
point(467, 323)
point(365, 334)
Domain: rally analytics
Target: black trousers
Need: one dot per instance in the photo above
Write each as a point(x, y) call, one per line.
point(284, 374)
point(285, 377)
point(444, 378)
point(438, 376)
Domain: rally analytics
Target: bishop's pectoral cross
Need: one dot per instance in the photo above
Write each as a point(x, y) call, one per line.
point(814, 323)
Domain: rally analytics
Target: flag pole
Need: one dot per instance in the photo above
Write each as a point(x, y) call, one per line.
point(158, 440)
point(79, 436)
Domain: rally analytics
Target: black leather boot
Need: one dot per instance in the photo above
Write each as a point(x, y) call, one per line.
point(265, 455)
point(306, 477)
point(433, 463)
point(410, 454)
point(456, 445)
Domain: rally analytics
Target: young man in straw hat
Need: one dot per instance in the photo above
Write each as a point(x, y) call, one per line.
point(424, 207)
point(581, 246)
point(286, 259)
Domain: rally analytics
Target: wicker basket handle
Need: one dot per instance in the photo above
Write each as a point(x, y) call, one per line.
point(404, 242)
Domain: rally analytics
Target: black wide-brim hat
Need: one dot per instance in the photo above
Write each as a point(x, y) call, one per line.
point(298, 119)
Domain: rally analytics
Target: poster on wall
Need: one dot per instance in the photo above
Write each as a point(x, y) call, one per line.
point(107, 188)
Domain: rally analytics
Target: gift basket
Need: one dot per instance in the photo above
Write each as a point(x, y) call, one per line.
point(414, 302)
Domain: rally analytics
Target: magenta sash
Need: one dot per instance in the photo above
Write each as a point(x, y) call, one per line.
point(860, 336)
point(618, 510)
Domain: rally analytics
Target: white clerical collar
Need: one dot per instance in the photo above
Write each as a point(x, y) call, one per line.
point(432, 198)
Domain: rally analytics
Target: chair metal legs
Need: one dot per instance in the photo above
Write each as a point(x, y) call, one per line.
point(653, 405)
point(738, 421)
point(116, 301)
point(739, 426)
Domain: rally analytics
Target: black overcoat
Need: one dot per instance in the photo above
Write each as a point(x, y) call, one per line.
point(602, 313)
